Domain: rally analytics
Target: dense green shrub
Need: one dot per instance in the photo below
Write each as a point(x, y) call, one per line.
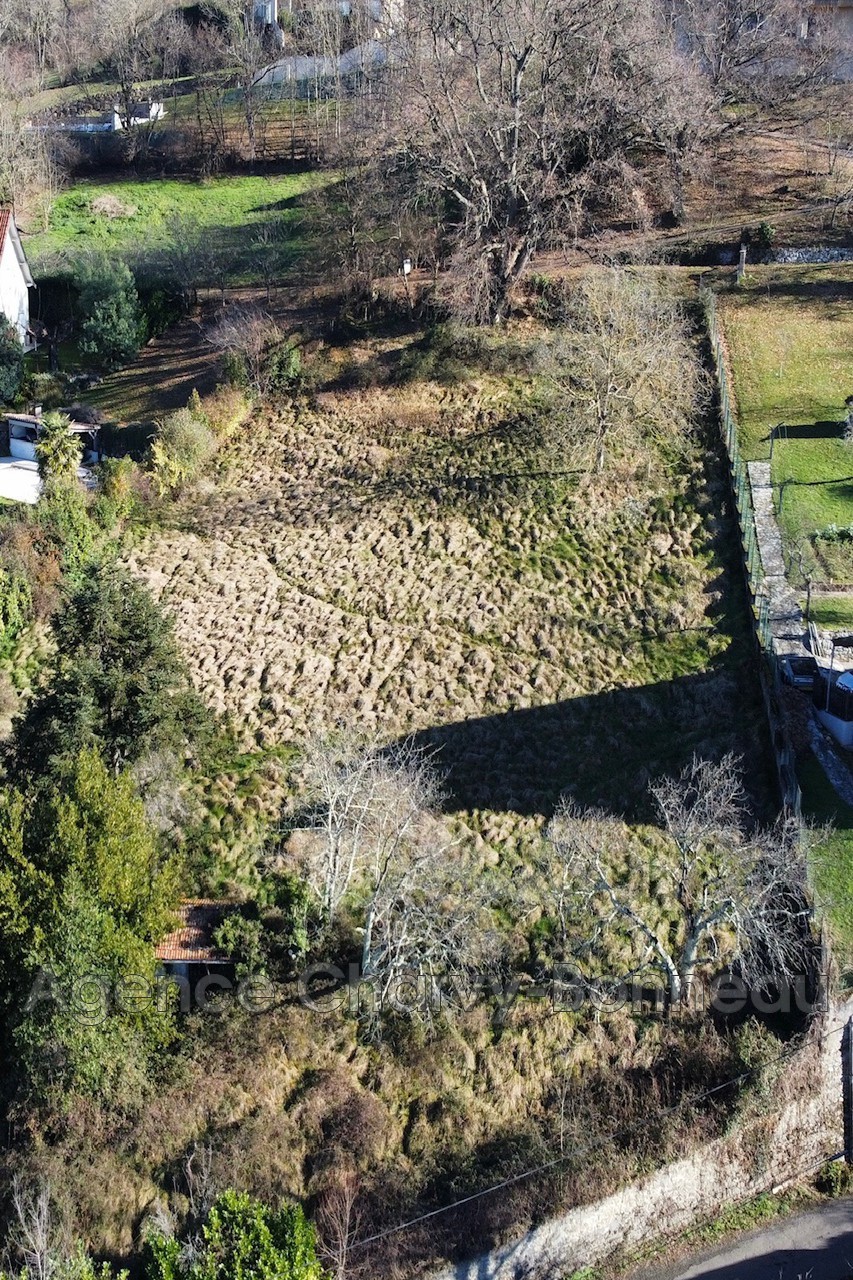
point(46, 389)
point(242, 1239)
point(161, 308)
point(183, 446)
point(111, 325)
point(79, 1266)
point(242, 938)
point(115, 681)
point(282, 369)
point(835, 1179)
point(63, 518)
point(16, 604)
point(116, 479)
point(11, 362)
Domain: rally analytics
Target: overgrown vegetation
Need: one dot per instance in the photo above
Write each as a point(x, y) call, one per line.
point(419, 642)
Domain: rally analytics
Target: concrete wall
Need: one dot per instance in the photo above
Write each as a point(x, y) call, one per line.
point(802, 1129)
point(14, 299)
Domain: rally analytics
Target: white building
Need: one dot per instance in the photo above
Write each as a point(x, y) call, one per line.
point(15, 279)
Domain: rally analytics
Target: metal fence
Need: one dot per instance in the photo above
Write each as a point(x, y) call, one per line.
point(759, 604)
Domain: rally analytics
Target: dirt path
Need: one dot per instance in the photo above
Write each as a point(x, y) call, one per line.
point(162, 377)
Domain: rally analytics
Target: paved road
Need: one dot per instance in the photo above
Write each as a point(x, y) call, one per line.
point(808, 1246)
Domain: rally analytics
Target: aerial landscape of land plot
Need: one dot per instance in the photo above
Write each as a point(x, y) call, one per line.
point(426, 706)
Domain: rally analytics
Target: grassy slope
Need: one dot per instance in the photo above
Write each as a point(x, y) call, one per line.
point(540, 636)
point(228, 210)
point(790, 336)
point(354, 562)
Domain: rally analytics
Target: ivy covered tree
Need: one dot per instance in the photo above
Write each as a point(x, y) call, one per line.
point(11, 362)
point(84, 894)
point(111, 325)
point(116, 682)
point(242, 1239)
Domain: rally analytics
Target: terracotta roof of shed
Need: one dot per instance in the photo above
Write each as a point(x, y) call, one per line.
point(192, 940)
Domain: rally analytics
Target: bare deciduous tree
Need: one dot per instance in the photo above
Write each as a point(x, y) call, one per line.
point(28, 162)
point(380, 849)
point(248, 333)
point(626, 378)
point(338, 1221)
point(517, 115)
point(34, 1232)
point(737, 895)
point(767, 54)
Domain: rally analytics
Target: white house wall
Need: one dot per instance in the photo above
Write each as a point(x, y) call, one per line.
point(14, 300)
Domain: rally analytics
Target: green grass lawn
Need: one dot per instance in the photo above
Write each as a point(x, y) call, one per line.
point(815, 479)
point(228, 213)
point(789, 331)
point(831, 612)
point(833, 866)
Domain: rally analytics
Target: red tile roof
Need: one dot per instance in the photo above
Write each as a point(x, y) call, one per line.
point(5, 216)
point(192, 940)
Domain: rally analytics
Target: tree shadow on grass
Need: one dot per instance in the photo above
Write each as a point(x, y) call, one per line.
point(824, 430)
point(832, 292)
point(604, 748)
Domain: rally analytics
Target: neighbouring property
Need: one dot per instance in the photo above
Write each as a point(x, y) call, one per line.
point(113, 121)
point(189, 954)
point(24, 431)
point(15, 279)
point(19, 474)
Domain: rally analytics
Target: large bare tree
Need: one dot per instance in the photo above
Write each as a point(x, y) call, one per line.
point(768, 53)
point(518, 115)
point(626, 377)
point(722, 892)
point(382, 855)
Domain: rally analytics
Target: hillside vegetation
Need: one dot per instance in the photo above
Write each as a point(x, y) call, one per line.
point(391, 558)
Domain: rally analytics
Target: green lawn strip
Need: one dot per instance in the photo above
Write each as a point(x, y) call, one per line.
point(789, 331)
point(833, 865)
point(229, 210)
point(832, 611)
point(814, 480)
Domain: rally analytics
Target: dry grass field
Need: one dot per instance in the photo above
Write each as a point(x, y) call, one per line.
point(382, 558)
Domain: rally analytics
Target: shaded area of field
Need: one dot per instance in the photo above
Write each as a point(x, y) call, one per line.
point(602, 748)
point(160, 380)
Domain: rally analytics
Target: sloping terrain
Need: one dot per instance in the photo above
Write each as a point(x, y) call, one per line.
point(388, 558)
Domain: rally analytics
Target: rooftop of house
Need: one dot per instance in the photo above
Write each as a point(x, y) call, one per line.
point(36, 419)
point(192, 941)
point(7, 224)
